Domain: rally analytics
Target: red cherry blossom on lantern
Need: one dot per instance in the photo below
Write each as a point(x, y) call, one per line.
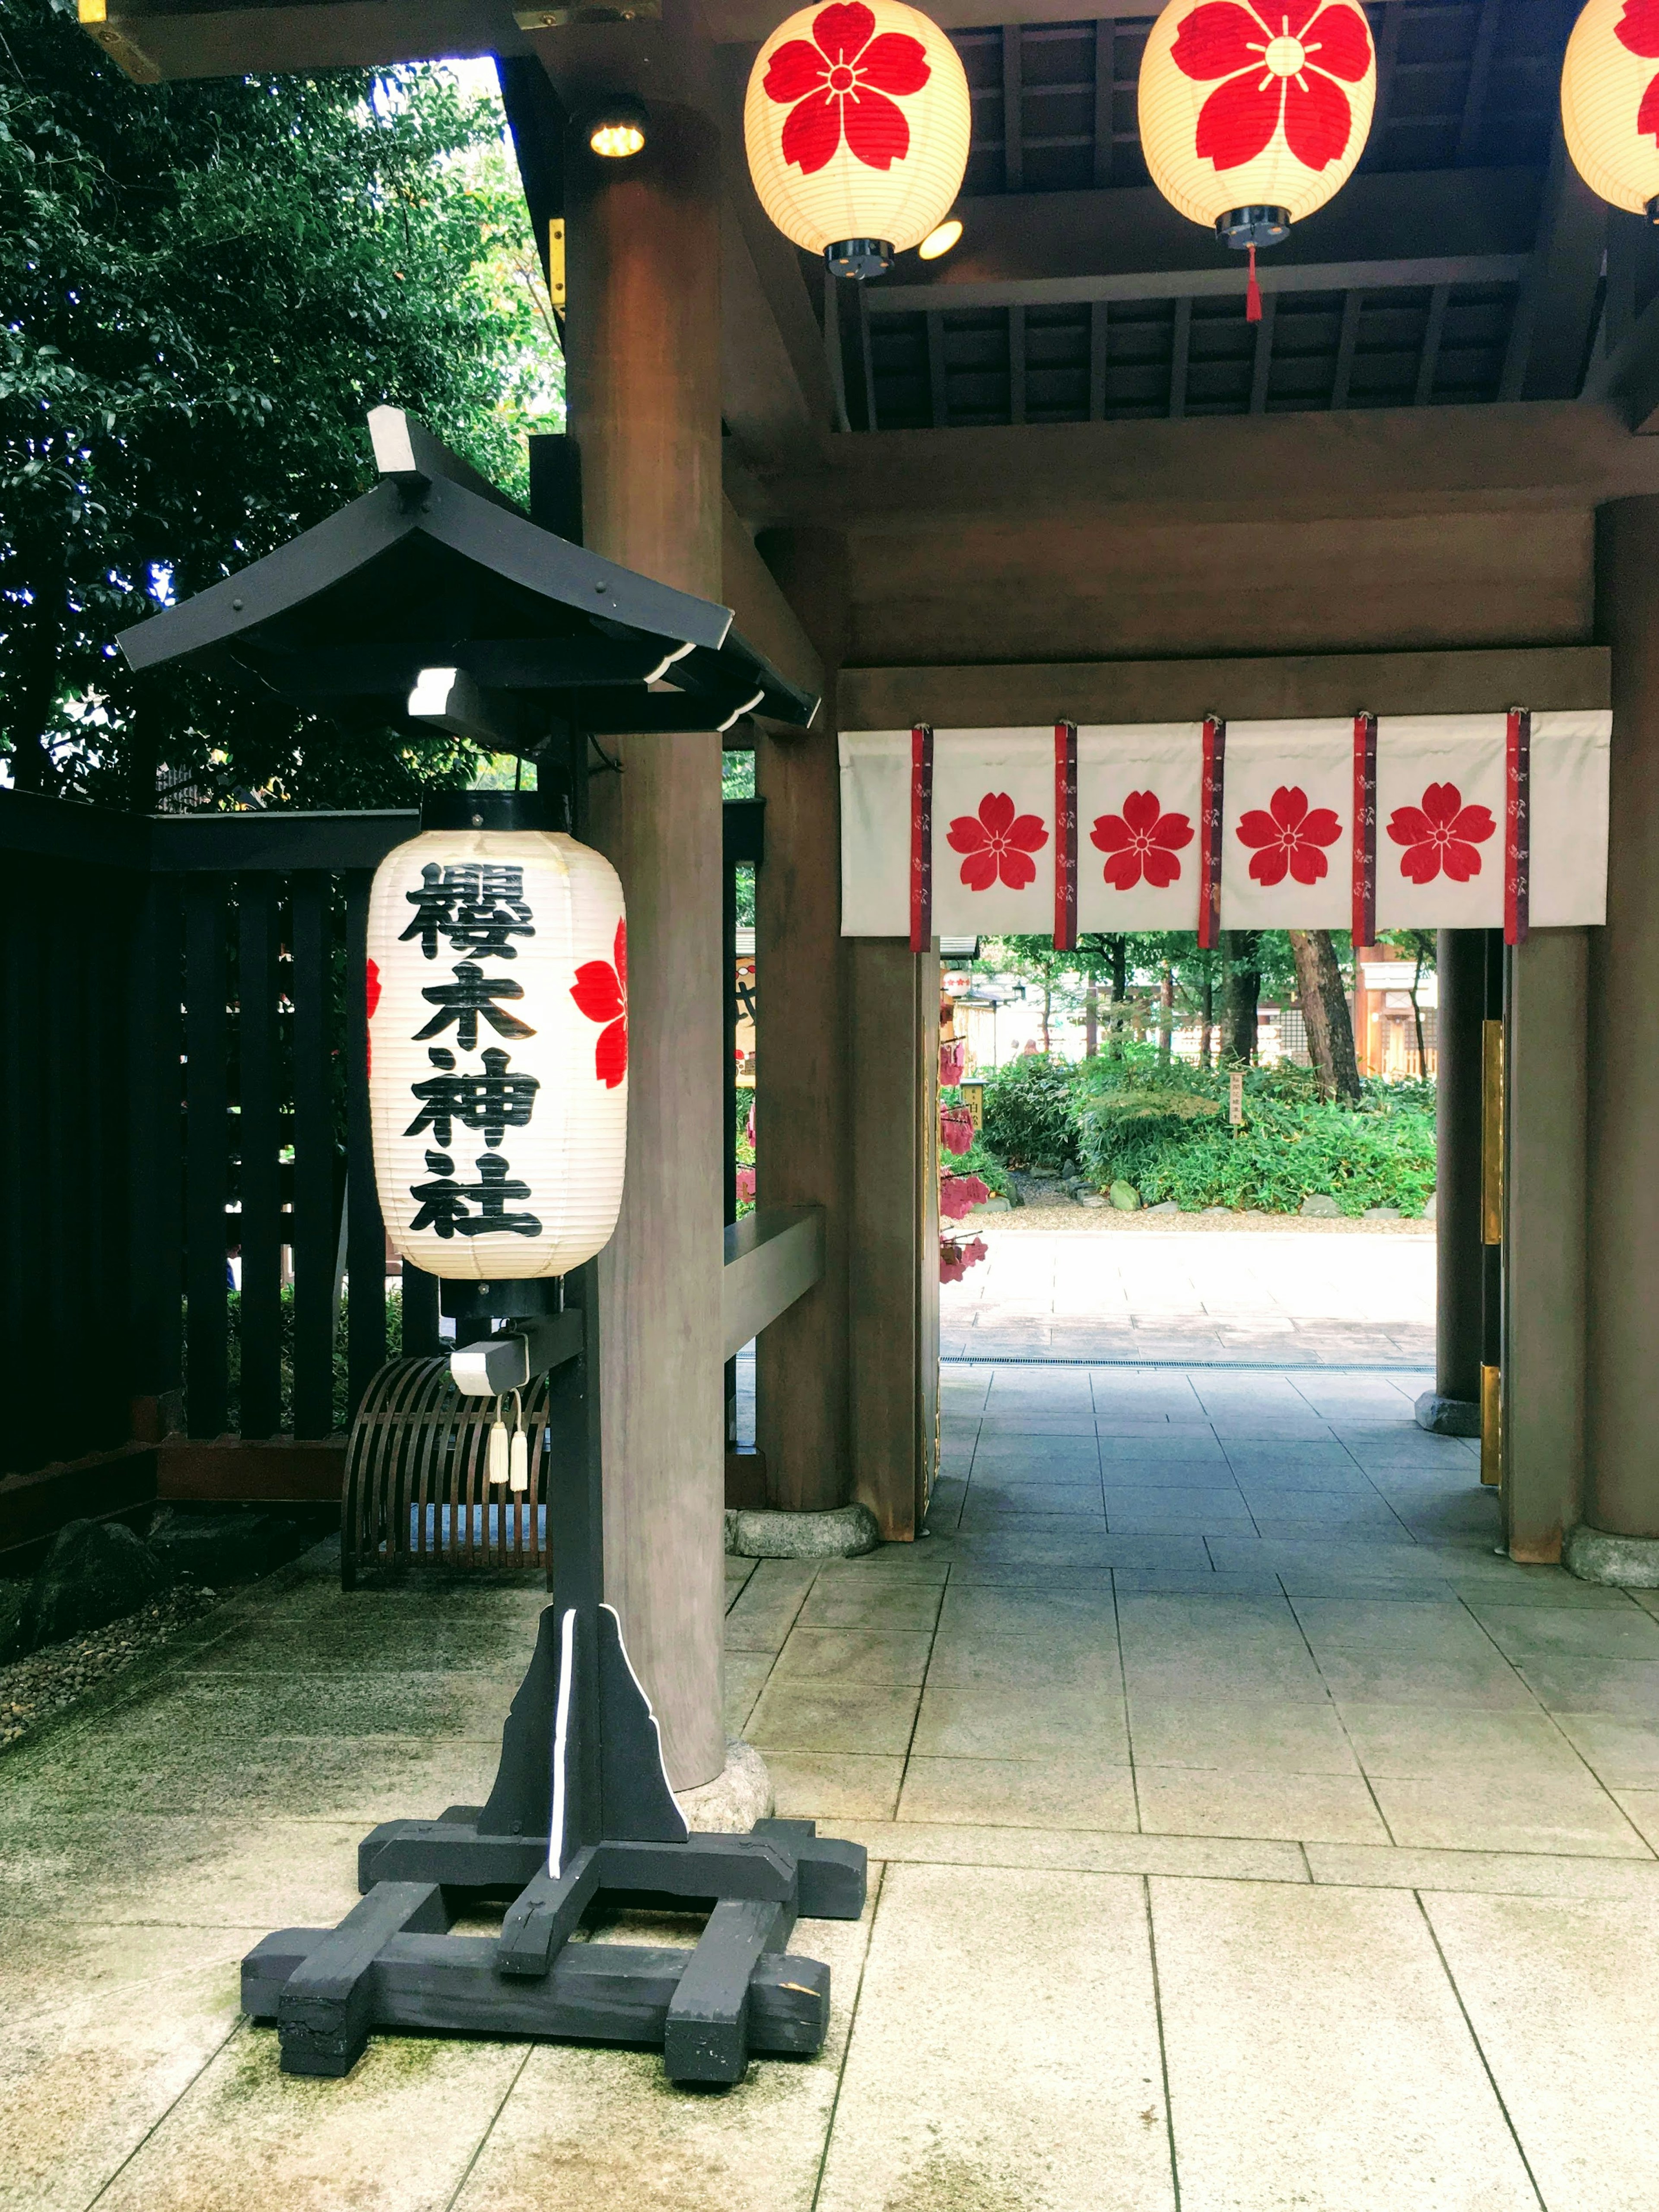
point(1141, 841)
point(998, 843)
point(1290, 72)
point(600, 990)
point(1637, 31)
point(835, 82)
point(1289, 837)
point(1441, 832)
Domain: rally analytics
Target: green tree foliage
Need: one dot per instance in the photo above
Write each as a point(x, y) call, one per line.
point(205, 288)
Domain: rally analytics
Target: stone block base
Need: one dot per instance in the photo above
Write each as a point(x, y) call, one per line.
point(1625, 1562)
point(1447, 1417)
point(739, 1796)
point(843, 1534)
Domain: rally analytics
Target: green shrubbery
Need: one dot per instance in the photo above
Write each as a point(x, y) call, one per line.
point(1163, 1128)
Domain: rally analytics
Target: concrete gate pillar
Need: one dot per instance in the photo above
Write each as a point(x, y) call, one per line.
point(643, 352)
point(1619, 1540)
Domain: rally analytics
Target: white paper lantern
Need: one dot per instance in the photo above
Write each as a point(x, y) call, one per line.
point(857, 123)
point(1610, 101)
point(497, 984)
point(1255, 109)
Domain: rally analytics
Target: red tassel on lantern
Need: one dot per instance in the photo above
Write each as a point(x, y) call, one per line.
point(1253, 294)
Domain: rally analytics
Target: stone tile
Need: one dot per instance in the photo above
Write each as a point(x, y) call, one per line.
point(798, 1715)
point(763, 1614)
point(1623, 1752)
point(1359, 1519)
point(1317, 2057)
point(746, 1678)
point(892, 1566)
point(1041, 1457)
point(399, 2130)
point(1150, 1512)
point(1524, 1811)
point(587, 2126)
point(1250, 1678)
point(1419, 1740)
point(1263, 1738)
point(1202, 1477)
point(1219, 1858)
point(1029, 1610)
point(831, 1656)
point(1268, 1480)
point(1139, 1443)
point(1563, 1998)
point(835, 1785)
point(991, 1500)
point(112, 2038)
point(1185, 1801)
point(1641, 1808)
point(1001, 1719)
point(1493, 1873)
point(1627, 1688)
point(1080, 1661)
point(833, 1603)
point(1179, 1582)
point(1072, 1546)
point(1438, 1628)
point(1029, 1993)
point(1055, 1792)
point(1525, 1630)
point(1449, 1685)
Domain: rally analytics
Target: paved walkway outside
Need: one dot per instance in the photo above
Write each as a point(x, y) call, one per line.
point(1245, 1836)
point(1077, 1285)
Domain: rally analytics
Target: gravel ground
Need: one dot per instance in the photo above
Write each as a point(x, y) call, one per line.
point(1048, 1216)
point(32, 1689)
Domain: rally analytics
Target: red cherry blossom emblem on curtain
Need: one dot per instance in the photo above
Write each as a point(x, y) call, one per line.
point(1291, 72)
point(1637, 31)
point(998, 843)
point(836, 82)
point(600, 990)
point(1141, 841)
point(1290, 837)
point(1441, 832)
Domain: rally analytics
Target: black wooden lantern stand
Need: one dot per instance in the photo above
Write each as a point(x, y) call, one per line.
point(581, 1810)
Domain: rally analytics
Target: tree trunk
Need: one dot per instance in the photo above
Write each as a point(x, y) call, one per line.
point(1120, 985)
point(1325, 1010)
point(1166, 1013)
point(1416, 1013)
point(1047, 1001)
point(1207, 1020)
point(1242, 987)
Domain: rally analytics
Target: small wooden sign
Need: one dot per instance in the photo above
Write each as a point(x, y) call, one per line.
point(1235, 1098)
point(973, 1098)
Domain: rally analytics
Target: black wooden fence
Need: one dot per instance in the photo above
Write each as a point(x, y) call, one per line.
point(184, 1075)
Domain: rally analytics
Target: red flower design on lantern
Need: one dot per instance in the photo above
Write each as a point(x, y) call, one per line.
point(838, 81)
point(1289, 837)
point(1441, 832)
point(1270, 75)
point(600, 990)
point(998, 843)
point(1141, 841)
point(1637, 31)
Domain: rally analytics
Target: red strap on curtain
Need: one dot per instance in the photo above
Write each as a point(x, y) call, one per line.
point(1365, 830)
point(1064, 836)
point(1209, 853)
point(1518, 833)
point(921, 837)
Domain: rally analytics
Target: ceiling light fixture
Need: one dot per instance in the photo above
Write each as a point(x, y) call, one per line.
point(940, 239)
point(616, 131)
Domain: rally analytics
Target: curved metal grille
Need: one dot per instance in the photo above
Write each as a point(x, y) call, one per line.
point(417, 1487)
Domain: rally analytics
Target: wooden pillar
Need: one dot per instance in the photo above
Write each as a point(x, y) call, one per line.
point(801, 1378)
point(1543, 1347)
point(1621, 1484)
point(894, 1265)
point(642, 347)
point(1460, 961)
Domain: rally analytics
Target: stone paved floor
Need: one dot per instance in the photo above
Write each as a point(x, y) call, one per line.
point(1069, 1285)
point(1245, 1835)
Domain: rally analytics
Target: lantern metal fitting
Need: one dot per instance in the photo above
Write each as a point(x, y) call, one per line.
point(858, 258)
point(1242, 228)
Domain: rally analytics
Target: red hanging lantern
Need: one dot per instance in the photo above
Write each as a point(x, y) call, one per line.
point(1252, 115)
point(1610, 102)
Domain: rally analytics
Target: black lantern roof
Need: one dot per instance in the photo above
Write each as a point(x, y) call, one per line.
point(433, 600)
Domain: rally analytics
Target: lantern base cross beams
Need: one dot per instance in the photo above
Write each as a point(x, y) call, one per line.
point(580, 1764)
